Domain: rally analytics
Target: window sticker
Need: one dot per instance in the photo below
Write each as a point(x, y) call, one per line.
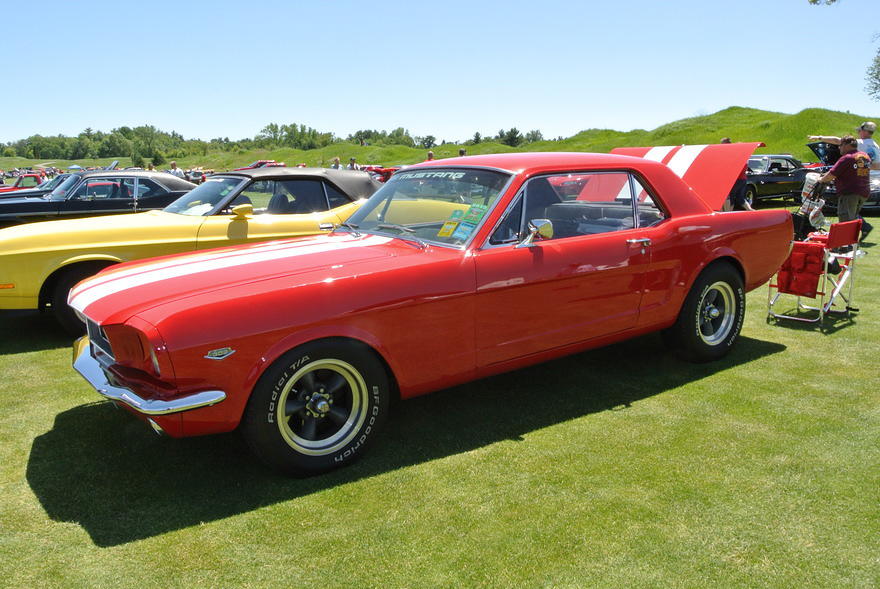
point(447, 229)
point(464, 230)
point(474, 214)
point(456, 215)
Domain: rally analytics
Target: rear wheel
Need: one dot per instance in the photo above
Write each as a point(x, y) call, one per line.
point(751, 195)
point(317, 407)
point(711, 318)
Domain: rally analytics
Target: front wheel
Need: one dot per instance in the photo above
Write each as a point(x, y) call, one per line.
point(711, 318)
point(751, 196)
point(317, 407)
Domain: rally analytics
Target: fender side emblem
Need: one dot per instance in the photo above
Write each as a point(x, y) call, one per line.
point(219, 354)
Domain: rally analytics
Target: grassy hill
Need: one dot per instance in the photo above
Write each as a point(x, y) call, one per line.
point(783, 133)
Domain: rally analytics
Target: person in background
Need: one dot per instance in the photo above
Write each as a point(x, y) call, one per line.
point(352, 164)
point(175, 170)
point(865, 142)
point(151, 167)
point(336, 165)
point(462, 152)
point(725, 140)
point(430, 156)
point(851, 177)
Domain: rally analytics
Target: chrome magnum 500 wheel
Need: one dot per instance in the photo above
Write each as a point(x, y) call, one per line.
point(711, 318)
point(317, 407)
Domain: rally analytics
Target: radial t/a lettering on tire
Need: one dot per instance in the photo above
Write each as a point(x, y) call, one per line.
point(712, 314)
point(317, 407)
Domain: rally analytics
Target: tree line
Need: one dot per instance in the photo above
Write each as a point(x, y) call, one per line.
point(146, 142)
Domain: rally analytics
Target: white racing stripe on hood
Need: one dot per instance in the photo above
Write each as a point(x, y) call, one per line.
point(177, 261)
point(89, 293)
point(681, 161)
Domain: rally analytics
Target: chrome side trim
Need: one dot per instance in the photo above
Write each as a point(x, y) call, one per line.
point(91, 370)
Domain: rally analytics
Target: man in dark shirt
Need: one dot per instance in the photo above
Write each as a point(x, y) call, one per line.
point(851, 177)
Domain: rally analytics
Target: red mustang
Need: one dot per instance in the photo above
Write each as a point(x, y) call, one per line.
point(453, 271)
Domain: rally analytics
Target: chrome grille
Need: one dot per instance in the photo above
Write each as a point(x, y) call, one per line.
point(98, 338)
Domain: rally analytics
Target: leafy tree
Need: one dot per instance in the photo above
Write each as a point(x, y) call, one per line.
point(534, 135)
point(477, 138)
point(9, 152)
point(137, 160)
point(511, 137)
point(428, 141)
point(873, 78)
point(158, 158)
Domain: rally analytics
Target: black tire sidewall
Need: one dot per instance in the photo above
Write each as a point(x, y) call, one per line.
point(262, 432)
point(687, 328)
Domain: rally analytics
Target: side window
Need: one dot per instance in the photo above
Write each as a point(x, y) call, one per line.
point(105, 188)
point(649, 213)
point(509, 229)
point(285, 197)
point(335, 196)
point(147, 188)
point(29, 181)
point(258, 194)
point(585, 203)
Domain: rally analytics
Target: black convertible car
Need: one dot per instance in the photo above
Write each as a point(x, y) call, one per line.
point(96, 193)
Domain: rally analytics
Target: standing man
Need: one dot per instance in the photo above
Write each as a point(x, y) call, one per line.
point(352, 164)
point(866, 143)
point(176, 171)
point(336, 165)
point(851, 177)
point(430, 156)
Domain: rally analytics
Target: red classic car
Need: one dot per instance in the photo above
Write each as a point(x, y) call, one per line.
point(452, 271)
point(23, 182)
point(262, 164)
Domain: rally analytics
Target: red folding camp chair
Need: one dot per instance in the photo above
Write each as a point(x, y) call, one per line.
point(823, 261)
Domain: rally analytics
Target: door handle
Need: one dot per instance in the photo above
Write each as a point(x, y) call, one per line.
point(643, 241)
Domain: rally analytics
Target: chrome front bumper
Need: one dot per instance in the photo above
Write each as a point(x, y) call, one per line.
point(95, 374)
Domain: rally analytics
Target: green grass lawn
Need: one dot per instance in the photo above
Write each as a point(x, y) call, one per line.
point(620, 467)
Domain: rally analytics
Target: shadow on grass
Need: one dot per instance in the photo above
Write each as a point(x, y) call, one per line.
point(106, 471)
point(30, 331)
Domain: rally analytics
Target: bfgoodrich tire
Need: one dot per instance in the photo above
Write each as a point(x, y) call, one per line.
point(317, 407)
point(711, 318)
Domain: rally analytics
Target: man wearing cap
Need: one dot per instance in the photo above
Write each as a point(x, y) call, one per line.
point(851, 177)
point(866, 143)
point(352, 164)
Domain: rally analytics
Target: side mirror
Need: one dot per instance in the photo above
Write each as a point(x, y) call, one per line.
point(542, 228)
point(242, 211)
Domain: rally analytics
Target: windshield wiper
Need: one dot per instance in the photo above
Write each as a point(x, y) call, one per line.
point(395, 226)
point(353, 227)
point(404, 229)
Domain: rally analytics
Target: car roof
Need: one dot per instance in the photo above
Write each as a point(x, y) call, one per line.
point(165, 178)
point(354, 183)
point(535, 161)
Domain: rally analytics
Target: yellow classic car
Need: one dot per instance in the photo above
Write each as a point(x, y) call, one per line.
point(41, 262)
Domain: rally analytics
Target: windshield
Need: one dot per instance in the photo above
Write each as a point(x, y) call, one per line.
point(67, 183)
point(756, 164)
point(50, 184)
point(204, 198)
point(438, 205)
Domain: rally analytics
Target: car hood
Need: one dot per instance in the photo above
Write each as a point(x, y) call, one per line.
point(117, 293)
point(23, 193)
point(68, 234)
point(828, 153)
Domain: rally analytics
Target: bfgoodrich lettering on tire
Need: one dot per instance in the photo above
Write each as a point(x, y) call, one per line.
point(317, 407)
point(712, 314)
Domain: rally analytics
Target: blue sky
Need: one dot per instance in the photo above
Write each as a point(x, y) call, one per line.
point(209, 69)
